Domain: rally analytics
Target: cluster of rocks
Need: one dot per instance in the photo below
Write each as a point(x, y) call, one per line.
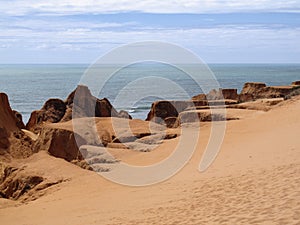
point(18, 140)
point(174, 113)
point(57, 110)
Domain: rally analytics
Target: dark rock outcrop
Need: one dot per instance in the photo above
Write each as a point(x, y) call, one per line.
point(200, 116)
point(14, 184)
point(52, 112)
point(171, 122)
point(13, 141)
point(4, 142)
point(161, 110)
point(60, 143)
point(253, 91)
point(85, 105)
point(246, 97)
point(253, 88)
point(8, 120)
point(222, 94)
point(124, 114)
point(200, 97)
point(19, 120)
point(20, 182)
point(296, 83)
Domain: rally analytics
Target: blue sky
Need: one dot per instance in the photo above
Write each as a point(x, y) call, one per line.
point(221, 31)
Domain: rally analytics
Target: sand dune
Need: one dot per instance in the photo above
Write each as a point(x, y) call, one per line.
point(254, 180)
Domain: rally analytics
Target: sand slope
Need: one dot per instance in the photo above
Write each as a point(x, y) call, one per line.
point(254, 180)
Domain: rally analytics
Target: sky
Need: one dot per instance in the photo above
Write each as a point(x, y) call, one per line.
point(218, 31)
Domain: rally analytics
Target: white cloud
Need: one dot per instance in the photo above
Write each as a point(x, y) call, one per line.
point(20, 7)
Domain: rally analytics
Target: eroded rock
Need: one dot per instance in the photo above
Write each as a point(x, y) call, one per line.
point(60, 143)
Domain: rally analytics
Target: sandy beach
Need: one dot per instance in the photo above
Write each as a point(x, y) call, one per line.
point(255, 179)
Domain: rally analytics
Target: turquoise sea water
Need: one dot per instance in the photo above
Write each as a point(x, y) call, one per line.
point(29, 86)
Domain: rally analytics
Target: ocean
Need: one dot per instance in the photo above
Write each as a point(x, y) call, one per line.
point(29, 86)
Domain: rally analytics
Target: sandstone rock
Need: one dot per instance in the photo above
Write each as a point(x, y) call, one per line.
point(260, 90)
point(13, 142)
point(124, 139)
point(34, 120)
point(68, 115)
point(52, 112)
point(19, 120)
point(8, 119)
point(14, 188)
point(222, 94)
point(4, 142)
point(87, 105)
point(141, 147)
point(276, 92)
point(230, 94)
point(156, 138)
point(19, 182)
point(221, 103)
point(296, 83)
point(117, 145)
point(259, 104)
point(171, 122)
point(60, 143)
point(253, 88)
point(246, 97)
point(200, 116)
point(200, 97)
point(97, 158)
point(160, 110)
point(124, 114)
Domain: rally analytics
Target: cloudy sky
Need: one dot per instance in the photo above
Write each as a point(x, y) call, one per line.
point(73, 31)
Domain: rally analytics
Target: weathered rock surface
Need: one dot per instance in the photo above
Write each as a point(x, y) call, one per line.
point(253, 88)
point(200, 97)
point(30, 178)
point(8, 120)
point(13, 142)
point(259, 104)
point(124, 114)
point(222, 94)
point(85, 105)
point(171, 122)
point(200, 116)
point(4, 142)
point(52, 112)
point(59, 143)
point(296, 83)
point(161, 110)
point(253, 91)
point(14, 184)
point(19, 120)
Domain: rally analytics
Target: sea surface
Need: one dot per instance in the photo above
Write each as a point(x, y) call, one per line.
point(132, 88)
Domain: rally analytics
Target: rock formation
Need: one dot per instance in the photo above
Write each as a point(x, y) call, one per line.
point(86, 105)
point(60, 143)
point(222, 94)
point(19, 120)
point(172, 113)
point(52, 112)
point(296, 83)
point(13, 141)
point(161, 110)
point(8, 120)
point(253, 91)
